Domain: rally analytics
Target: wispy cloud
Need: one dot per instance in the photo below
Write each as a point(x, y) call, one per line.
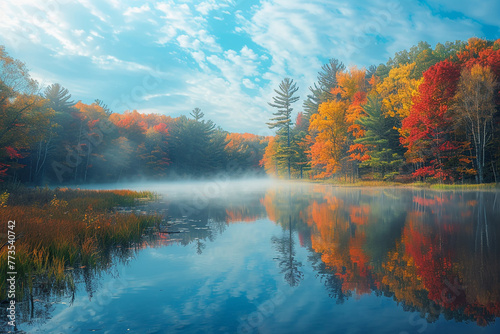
point(94, 10)
point(112, 63)
point(132, 11)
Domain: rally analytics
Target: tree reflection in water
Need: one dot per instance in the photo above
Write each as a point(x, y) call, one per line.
point(434, 252)
point(285, 246)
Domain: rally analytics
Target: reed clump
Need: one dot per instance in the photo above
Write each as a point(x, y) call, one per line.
point(62, 228)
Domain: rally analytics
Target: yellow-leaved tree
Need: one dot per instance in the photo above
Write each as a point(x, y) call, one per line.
point(397, 91)
point(330, 142)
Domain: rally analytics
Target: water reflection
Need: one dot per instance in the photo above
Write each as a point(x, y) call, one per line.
point(432, 252)
point(435, 254)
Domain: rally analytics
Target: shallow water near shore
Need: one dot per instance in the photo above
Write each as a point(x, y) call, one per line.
point(277, 257)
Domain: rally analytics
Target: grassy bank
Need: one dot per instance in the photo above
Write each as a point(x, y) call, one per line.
point(435, 186)
point(63, 228)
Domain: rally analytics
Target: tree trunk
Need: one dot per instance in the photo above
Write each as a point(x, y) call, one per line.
point(494, 172)
point(288, 134)
point(78, 148)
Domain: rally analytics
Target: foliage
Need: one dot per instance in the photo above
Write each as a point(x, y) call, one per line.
point(397, 91)
point(48, 138)
point(378, 138)
point(431, 145)
point(321, 91)
point(329, 147)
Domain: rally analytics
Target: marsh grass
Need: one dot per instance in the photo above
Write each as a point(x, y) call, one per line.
point(464, 186)
point(379, 183)
point(64, 228)
point(367, 183)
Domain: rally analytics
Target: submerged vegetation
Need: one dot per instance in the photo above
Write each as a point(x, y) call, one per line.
point(61, 229)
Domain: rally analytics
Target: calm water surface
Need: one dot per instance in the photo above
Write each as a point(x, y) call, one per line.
point(278, 258)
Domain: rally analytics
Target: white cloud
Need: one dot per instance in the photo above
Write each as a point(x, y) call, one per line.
point(248, 83)
point(199, 56)
point(95, 33)
point(187, 42)
point(132, 11)
point(182, 24)
point(486, 12)
point(78, 32)
point(155, 96)
point(226, 104)
point(207, 6)
point(115, 3)
point(295, 32)
point(94, 10)
point(177, 18)
point(112, 63)
point(46, 24)
point(235, 65)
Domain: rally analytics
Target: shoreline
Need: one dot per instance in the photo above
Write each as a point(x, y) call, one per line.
point(413, 185)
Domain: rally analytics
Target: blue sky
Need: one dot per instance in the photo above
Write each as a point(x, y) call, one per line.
point(225, 56)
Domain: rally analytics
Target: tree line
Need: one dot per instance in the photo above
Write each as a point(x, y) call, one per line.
point(45, 137)
point(427, 114)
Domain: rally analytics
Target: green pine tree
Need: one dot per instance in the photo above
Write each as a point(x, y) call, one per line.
point(282, 120)
point(380, 135)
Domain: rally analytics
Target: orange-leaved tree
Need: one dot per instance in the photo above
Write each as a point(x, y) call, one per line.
point(330, 142)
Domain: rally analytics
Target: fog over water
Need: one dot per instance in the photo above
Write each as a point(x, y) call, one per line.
point(215, 187)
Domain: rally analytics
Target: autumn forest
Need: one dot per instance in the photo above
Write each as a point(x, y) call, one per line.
point(428, 114)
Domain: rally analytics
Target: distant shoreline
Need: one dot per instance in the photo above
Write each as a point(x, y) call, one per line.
point(391, 184)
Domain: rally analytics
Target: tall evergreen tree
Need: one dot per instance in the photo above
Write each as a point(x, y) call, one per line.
point(282, 120)
point(379, 138)
point(197, 114)
point(59, 97)
point(104, 106)
point(321, 91)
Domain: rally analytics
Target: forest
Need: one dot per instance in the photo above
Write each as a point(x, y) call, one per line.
point(428, 114)
point(46, 138)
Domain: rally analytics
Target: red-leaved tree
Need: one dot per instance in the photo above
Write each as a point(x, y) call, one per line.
point(431, 145)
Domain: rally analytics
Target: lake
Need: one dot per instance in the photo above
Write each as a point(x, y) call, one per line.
point(277, 257)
